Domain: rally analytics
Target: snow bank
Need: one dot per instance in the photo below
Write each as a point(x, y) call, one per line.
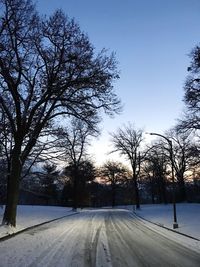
point(188, 217)
point(28, 216)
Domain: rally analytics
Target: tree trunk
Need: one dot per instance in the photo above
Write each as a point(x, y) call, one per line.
point(113, 196)
point(181, 184)
point(152, 192)
point(13, 182)
point(152, 189)
point(137, 197)
point(163, 190)
point(75, 191)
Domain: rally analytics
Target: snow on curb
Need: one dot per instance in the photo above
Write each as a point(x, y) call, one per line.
point(183, 239)
point(170, 229)
point(7, 232)
point(12, 231)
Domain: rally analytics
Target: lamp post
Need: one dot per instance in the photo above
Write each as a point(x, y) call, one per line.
point(175, 224)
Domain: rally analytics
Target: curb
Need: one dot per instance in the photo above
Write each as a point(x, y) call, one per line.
point(162, 226)
point(6, 237)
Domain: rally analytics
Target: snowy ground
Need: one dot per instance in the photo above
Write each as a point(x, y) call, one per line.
point(98, 237)
point(28, 216)
point(188, 217)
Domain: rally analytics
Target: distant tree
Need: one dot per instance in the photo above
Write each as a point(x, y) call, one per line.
point(148, 180)
point(194, 155)
point(48, 69)
point(154, 169)
point(127, 141)
point(185, 157)
point(74, 141)
point(79, 175)
point(113, 173)
point(49, 178)
point(183, 145)
point(67, 194)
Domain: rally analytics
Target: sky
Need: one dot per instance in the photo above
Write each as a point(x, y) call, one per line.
point(152, 40)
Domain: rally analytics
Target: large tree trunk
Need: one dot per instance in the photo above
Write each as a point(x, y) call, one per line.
point(13, 188)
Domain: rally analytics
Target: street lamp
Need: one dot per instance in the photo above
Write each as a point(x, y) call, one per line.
point(175, 224)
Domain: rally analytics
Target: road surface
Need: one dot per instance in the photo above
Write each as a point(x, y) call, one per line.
point(95, 238)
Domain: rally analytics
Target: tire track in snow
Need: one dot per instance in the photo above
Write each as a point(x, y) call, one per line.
point(133, 244)
point(97, 250)
point(68, 248)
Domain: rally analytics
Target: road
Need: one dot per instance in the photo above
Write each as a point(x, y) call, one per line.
point(95, 238)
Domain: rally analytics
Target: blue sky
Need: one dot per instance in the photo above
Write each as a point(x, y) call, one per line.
point(152, 40)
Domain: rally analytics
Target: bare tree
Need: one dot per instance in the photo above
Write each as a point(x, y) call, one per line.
point(154, 168)
point(127, 142)
point(79, 175)
point(184, 155)
point(184, 158)
point(74, 141)
point(113, 173)
point(48, 69)
point(191, 119)
point(49, 177)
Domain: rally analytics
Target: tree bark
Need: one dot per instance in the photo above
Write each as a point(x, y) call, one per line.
point(13, 182)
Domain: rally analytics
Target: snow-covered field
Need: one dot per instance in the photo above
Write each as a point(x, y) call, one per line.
point(28, 216)
point(188, 217)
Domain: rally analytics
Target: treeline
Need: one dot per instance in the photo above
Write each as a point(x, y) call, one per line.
point(81, 183)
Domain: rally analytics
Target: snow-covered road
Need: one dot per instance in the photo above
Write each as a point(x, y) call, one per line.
point(95, 238)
